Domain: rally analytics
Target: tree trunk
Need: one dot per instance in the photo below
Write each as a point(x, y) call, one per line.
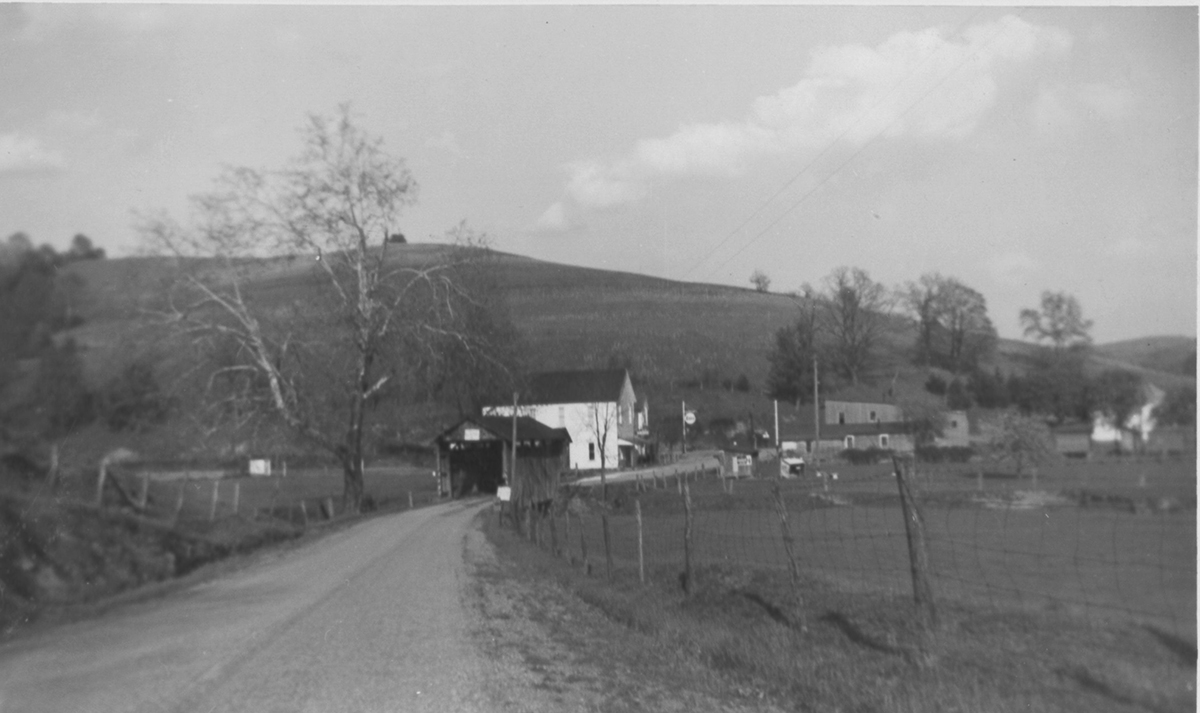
point(352, 484)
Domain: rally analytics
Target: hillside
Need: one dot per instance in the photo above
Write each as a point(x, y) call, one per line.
point(682, 340)
point(1173, 355)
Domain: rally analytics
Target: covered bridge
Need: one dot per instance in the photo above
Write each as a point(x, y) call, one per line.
point(476, 452)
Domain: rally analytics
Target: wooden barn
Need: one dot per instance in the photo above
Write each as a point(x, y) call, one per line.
point(475, 455)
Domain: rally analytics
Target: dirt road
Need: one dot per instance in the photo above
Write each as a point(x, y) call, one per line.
point(371, 618)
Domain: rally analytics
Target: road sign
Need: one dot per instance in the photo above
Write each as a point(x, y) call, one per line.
point(689, 418)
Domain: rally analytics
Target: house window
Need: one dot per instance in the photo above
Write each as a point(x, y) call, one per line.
point(871, 417)
point(849, 441)
point(954, 423)
point(884, 441)
point(841, 419)
point(591, 451)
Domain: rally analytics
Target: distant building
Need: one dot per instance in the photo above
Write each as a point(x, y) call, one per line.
point(475, 455)
point(598, 408)
point(862, 425)
point(1073, 440)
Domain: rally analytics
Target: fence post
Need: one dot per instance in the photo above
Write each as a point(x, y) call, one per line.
point(179, 501)
point(410, 500)
point(567, 517)
point(216, 493)
point(637, 508)
point(304, 513)
point(688, 585)
point(587, 565)
point(237, 495)
point(790, 548)
point(100, 483)
point(554, 550)
point(144, 495)
point(918, 553)
point(608, 562)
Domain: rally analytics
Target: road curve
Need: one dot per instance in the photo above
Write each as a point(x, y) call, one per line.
point(370, 618)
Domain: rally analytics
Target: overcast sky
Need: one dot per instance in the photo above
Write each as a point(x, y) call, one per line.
point(1018, 150)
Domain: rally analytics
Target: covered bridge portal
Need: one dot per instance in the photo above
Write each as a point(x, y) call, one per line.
point(475, 455)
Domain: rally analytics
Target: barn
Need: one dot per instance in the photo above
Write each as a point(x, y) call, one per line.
point(474, 455)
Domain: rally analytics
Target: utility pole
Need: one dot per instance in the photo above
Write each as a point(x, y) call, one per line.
point(683, 426)
point(512, 467)
point(817, 421)
point(776, 426)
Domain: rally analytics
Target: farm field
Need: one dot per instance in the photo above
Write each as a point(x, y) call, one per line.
point(1117, 558)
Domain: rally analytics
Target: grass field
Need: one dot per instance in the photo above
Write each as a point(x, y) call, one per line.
point(848, 649)
point(1116, 557)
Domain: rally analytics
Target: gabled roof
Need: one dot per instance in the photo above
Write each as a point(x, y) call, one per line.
point(832, 431)
point(575, 387)
point(501, 427)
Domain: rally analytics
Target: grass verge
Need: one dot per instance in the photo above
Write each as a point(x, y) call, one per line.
point(833, 650)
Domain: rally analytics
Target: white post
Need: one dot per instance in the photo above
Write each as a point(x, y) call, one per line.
point(237, 495)
point(777, 449)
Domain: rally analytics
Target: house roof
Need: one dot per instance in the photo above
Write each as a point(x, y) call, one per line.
point(575, 387)
point(528, 429)
point(832, 431)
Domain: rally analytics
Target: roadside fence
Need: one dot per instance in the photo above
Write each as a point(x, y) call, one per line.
point(1112, 542)
point(299, 498)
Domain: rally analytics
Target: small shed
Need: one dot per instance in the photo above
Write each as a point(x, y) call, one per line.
point(1073, 440)
point(475, 456)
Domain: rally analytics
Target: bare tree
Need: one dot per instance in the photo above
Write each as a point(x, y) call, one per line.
point(760, 280)
point(313, 342)
point(855, 319)
point(953, 327)
point(790, 377)
point(1059, 321)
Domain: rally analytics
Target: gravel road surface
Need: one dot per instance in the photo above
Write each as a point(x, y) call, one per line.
point(370, 618)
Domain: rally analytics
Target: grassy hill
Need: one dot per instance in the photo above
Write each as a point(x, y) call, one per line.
point(682, 340)
point(1172, 355)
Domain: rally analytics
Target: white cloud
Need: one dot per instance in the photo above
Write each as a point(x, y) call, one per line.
point(920, 85)
point(24, 154)
point(596, 185)
point(553, 220)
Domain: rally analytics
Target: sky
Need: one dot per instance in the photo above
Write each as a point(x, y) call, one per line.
point(1016, 149)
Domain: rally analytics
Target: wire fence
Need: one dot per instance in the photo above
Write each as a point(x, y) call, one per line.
point(1107, 541)
point(300, 497)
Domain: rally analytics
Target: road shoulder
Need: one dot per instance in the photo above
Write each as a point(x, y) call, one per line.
point(547, 650)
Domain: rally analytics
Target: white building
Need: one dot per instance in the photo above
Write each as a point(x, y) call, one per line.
point(598, 408)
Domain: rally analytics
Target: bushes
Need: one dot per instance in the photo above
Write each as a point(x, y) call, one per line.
point(945, 454)
point(865, 456)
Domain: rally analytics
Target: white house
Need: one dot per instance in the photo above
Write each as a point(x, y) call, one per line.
point(597, 407)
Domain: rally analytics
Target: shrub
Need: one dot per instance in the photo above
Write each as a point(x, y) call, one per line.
point(945, 454)
point(865, 456)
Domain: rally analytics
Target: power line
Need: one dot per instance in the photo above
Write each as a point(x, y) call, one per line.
point(828, 147)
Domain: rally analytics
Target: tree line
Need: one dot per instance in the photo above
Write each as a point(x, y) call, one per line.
point(847, 324)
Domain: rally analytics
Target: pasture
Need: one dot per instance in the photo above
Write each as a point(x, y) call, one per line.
point(1101, 541)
